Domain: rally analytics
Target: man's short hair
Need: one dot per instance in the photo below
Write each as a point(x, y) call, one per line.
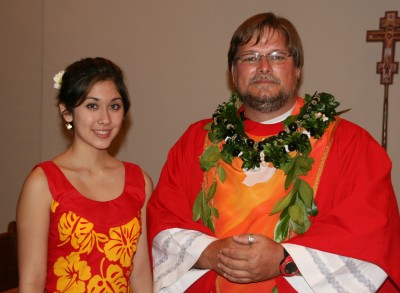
point(256, 25)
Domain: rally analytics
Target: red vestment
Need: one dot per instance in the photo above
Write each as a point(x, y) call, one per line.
point(358, 214)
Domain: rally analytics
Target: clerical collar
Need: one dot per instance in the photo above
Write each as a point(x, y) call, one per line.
point(279, 118)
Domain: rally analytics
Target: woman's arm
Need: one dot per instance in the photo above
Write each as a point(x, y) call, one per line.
point(141, 278)
point(33, 218)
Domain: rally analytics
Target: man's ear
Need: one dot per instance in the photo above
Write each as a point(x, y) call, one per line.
point(67, 116)
point(298, 74)
point(233, 74)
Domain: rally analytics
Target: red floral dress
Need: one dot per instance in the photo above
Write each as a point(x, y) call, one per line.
point(91, 244)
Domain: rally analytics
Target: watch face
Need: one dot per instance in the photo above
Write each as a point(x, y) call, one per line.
point(290, 268)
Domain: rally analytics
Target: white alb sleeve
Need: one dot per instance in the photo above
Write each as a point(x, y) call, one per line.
point(326, 272)
point(175, 251)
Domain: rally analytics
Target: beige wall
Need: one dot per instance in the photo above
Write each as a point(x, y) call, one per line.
point(174, 56)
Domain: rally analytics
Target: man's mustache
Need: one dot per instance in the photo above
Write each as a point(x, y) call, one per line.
point(265, 77)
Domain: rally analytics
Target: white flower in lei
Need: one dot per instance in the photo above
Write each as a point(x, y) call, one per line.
point(58, 79)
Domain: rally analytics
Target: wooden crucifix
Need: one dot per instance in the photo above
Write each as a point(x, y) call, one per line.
point(389, 34)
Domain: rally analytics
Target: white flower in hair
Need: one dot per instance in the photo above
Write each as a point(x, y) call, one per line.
point(58, 79)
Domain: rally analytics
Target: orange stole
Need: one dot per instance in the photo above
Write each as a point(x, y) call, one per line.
point(246, 209)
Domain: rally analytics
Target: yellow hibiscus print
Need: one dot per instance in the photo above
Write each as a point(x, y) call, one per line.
point(54, 206)
point(72, 274)
point(113, 281)
point(123, 242)
point(79, 232)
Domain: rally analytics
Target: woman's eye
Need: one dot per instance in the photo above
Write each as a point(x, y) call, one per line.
point(116, 106)
point(91, 106)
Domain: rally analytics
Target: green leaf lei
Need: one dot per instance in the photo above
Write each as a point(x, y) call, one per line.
point(288, 150)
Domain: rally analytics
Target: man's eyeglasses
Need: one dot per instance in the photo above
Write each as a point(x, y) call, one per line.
point(274, 57)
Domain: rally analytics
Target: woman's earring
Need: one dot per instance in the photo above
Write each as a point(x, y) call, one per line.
point(68, 125)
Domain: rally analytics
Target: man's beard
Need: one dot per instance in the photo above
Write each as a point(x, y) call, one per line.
point(266, 103)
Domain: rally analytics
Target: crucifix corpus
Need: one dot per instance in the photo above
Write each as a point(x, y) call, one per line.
point(389, 34)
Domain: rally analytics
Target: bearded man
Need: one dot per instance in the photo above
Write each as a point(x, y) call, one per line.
point(254, 201)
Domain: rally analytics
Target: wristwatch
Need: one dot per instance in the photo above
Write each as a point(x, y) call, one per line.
point(288, 267)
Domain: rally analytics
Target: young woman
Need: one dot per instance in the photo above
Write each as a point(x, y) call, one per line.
point(81, 216)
